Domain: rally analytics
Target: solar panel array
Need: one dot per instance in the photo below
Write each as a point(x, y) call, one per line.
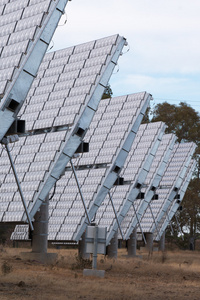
point(169, 186)
point(26, 28)
point(58, 110)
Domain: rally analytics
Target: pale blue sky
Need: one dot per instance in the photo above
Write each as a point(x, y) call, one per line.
point(163, 38)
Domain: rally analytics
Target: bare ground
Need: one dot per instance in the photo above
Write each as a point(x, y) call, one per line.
point(171, 275)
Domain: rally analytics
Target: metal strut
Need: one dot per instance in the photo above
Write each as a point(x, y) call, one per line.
point(154, 220)
point(116, 215)
point(19, 186)
point(139, 224)
point(79, 188)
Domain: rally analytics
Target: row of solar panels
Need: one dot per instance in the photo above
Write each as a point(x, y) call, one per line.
point(61, 103)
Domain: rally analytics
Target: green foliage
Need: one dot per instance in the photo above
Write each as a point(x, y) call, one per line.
point(182, 120)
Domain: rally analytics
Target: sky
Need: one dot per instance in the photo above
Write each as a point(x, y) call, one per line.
point(163, 52)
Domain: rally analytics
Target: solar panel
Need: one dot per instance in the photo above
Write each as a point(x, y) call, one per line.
point(37, 156)
point(84, 115)
point(26, 28)
point(169, 185)
point(176, 203)
point(153, 178)
point(64, 81)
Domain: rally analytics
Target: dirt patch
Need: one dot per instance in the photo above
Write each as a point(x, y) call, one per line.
point(172, 275)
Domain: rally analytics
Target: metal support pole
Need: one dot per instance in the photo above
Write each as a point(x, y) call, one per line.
point(79, 188)
point(113, 247)
point(149, 244)
point(19, 186)
point(132, 243)
point(139, 224)
point(116, 215)
point(162, 242)
point(154, 221)
point(94, 261)
point(82, 248)
point(40, 234)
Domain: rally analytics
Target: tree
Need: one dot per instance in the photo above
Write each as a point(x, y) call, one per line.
point(184, 121)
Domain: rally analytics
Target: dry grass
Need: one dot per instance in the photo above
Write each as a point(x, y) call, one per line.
point(172, 275)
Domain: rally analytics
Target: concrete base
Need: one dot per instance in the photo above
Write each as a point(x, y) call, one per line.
point(44, 258)
point(93, 272)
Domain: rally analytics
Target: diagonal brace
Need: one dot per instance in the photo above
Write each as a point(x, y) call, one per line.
point(116, 215)
point(79, 188)
point(139, 224)
point(19, 186)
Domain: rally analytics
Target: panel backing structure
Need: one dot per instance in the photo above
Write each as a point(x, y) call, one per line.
point(40, 159)
point(169, 186)
point(176, 203)
point(133, 209)
point(112, 124)
point(26, 29)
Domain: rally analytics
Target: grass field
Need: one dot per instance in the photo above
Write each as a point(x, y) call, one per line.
point(170, 275)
